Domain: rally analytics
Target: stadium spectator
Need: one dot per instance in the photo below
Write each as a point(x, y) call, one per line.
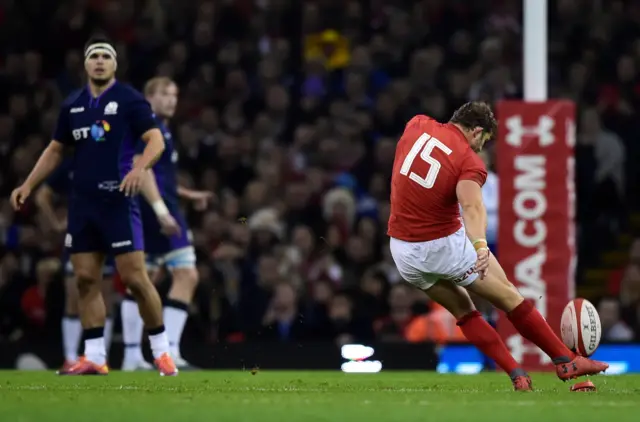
point(392, 328)
point(12, 322)
point(282, 320)
point(613, 328)
point(630, 295)
point(615, 278)
point(33, 301)
point(438, 326)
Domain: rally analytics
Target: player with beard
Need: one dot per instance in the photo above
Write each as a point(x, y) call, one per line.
point(166, 235)
point(102, 123)
point(435, 169)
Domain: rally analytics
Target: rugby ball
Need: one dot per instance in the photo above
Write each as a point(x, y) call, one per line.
point(580, 327)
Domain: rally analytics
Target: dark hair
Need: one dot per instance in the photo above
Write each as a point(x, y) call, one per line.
point(476, 114)
point(97, 38)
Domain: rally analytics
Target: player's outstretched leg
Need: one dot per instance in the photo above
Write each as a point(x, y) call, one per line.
point(497, 289)
point(132, 270)
point(88, 273)
point(176, 309)
point(478, 331)
point(71, 325)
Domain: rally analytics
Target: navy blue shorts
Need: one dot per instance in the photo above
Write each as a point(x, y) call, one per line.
point(110, 226)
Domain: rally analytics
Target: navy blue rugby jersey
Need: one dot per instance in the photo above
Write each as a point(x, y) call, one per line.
point(166, 168)
point(104, 132)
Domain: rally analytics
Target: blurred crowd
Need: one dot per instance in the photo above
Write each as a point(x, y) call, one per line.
point(289, 111)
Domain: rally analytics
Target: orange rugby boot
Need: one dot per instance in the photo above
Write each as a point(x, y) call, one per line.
point(578, 367)
point(85, 367)
point(66, 365)
point(166, 366)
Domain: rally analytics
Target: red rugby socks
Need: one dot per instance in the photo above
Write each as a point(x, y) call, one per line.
point(532, 326)
point(478, 331)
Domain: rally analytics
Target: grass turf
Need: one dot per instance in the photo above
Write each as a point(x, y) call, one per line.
point(309, 397)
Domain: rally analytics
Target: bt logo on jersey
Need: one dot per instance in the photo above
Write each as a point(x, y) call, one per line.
point(99, 129)
point(80, 133)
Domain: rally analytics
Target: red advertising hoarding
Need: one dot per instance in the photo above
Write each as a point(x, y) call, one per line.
point(536, 238)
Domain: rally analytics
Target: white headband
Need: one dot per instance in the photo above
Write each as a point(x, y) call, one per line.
point(101, 47)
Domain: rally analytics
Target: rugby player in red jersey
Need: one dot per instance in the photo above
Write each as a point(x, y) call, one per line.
point(435, 173)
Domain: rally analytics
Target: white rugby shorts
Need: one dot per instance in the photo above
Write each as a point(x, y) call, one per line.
point(450, 258)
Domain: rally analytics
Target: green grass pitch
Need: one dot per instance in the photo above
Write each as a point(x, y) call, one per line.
point(222, 396)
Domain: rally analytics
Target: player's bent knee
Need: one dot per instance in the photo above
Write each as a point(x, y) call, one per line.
point(86, 282)
point(510, 300)
point(134, 279)
point(453, 298)
point(185, 277)
point(130, 264)
point(138, 284)
point(185, 281)
point(133, 272)
point(461, 307)
point(503, 296)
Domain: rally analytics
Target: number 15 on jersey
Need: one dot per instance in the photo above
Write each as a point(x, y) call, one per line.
point(424, 145)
